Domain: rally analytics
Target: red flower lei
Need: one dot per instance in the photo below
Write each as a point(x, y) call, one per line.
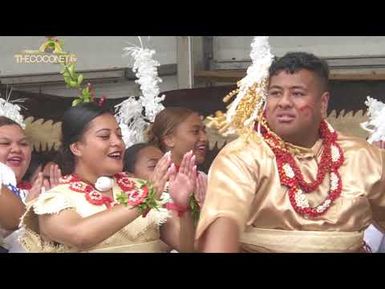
point(91, 194)
point(290, 174)
point(138, 196)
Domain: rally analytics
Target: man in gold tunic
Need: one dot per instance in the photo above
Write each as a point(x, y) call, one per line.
point(298, 186)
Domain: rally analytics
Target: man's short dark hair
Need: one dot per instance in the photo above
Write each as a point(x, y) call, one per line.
point(292, 62)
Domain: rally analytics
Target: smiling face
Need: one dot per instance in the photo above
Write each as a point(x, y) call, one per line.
point(190, 134)
point(15, 150)
point(296, 104)
point(100, 150)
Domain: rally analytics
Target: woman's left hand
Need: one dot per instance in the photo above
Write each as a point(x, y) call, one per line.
point(182, 183)
point(54, 177)
point(42, 184)
point(161, 174)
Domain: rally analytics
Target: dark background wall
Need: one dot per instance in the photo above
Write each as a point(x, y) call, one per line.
point(345, 95)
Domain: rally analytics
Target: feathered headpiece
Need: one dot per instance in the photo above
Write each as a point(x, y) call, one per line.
point(376, 123)
point(251, 93)
point(136, 113)
point(11, 110)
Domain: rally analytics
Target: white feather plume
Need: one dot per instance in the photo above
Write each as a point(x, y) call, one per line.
point(11, 110)
point(136, 113)
point(376, 123)
point(257, 72)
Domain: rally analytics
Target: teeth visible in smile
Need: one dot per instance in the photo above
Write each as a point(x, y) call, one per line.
point(202, 147)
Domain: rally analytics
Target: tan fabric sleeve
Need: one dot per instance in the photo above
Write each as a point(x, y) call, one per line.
point(231, 187)
point(52, 203)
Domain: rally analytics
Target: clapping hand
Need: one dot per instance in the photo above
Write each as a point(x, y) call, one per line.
point(182, 183)
point(42, 184)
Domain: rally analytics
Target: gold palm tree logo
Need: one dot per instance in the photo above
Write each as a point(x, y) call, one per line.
point(52, 45)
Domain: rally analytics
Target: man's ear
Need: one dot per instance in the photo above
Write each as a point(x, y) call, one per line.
point(324, 103)
point(75, 149)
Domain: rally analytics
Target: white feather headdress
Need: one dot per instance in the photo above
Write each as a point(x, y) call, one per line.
point(11, 110)
point(136, 113)
point(376, 123)
point(251, 93)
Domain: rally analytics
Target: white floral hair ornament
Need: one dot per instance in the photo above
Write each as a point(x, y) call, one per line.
point(251, 93)
point(11, 110)
point(376, 123)
point(135, 114)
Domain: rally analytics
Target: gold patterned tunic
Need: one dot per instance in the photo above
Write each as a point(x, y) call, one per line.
point(244, 185)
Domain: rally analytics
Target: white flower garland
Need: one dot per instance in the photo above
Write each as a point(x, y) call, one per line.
point(136, 113)
point(376, 123)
